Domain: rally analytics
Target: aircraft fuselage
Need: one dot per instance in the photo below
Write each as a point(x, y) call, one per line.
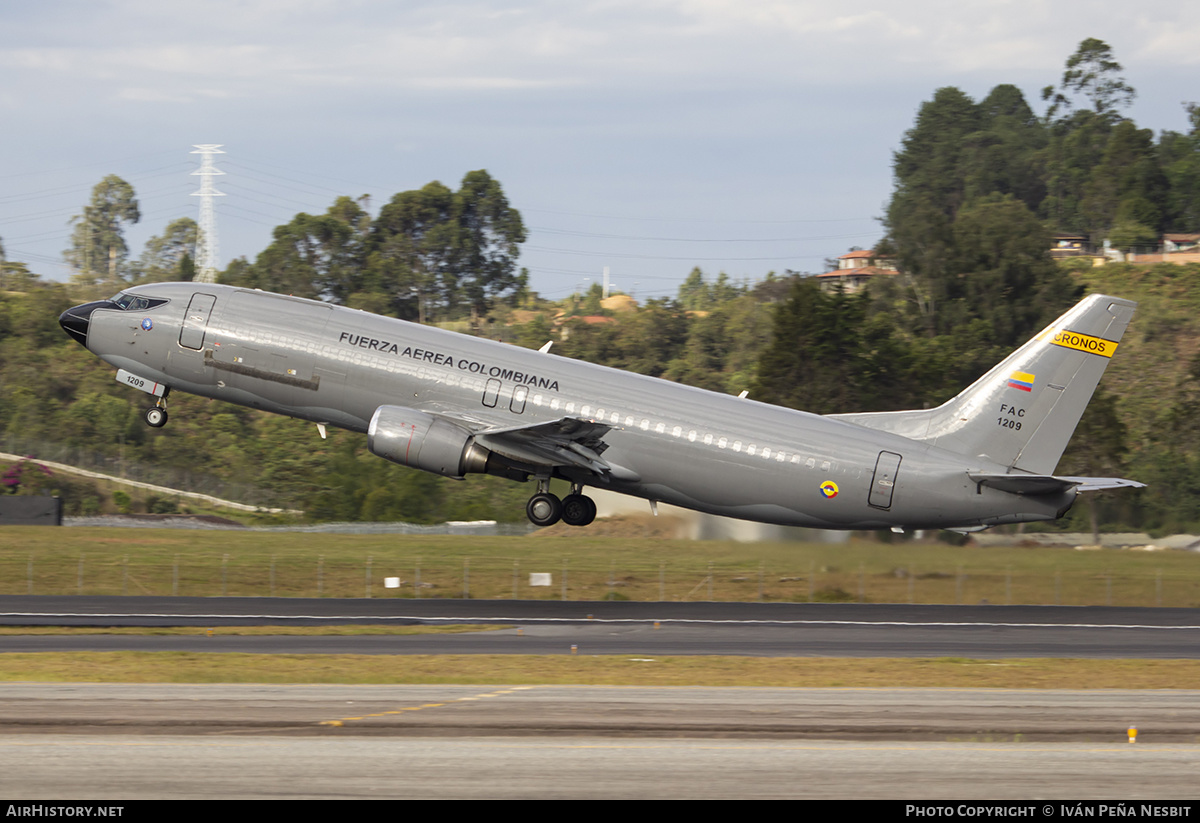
point(668, 442)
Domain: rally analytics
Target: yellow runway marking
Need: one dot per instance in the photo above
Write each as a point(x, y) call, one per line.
point(469, 698)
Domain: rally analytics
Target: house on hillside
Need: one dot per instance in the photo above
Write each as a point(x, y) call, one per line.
point(1064, 246)
point(856, 269)
point(1181, 242)
point(1173, 248)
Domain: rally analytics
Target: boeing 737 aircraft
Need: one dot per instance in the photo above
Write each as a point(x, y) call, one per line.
point(455, 405)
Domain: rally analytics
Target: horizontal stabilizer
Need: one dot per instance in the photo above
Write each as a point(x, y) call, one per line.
point(1050, 484)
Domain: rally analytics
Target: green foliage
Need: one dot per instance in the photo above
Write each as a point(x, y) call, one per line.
point(828, 356)
point(1093, 73)
point(979, 188)
point(313, 256)
point(430, 254)
point(169, 255)
point(98, 249)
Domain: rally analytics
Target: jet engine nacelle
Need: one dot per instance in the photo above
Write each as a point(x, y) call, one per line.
point(422, 441)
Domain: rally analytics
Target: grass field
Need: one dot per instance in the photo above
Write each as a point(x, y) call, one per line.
point(166, 562)
point(197, 563)
point(615, 670)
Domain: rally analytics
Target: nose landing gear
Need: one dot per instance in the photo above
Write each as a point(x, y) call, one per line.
point(156, 415)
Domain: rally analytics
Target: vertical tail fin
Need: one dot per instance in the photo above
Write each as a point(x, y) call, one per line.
point(1022, 413)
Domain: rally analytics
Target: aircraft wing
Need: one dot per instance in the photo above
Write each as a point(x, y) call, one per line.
point(568, 441)
point(1050, 484)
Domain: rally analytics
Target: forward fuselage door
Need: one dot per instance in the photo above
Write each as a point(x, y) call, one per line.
point(884, 481)
point(195, 321)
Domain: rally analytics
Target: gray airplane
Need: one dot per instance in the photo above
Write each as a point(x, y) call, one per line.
point(456, 405)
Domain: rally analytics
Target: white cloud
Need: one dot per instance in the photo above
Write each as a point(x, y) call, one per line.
point(285, 47)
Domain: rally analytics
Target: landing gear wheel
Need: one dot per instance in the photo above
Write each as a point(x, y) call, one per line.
point(544, 509)
point(578, 510)
point(156, 417)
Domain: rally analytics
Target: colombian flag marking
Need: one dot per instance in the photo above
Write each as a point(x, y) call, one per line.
point(829, 489)
point(1022, 380)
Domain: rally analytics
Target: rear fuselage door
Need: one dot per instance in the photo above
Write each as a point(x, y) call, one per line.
point(884, 481)
point(195, 322)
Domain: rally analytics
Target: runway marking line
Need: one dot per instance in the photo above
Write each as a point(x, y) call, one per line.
point(569, 620)
point(343, 721)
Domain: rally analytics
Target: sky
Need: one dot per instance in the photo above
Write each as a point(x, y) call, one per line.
point(648, 136)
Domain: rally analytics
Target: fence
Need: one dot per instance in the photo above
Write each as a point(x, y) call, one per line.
point(204, 575)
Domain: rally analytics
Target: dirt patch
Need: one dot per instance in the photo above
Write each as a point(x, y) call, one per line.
point(623, 525)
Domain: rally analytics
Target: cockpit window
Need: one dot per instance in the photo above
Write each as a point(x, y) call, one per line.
point(133, 302)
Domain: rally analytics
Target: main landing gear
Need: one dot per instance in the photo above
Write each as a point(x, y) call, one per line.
point(156, 415)
point(544, 509)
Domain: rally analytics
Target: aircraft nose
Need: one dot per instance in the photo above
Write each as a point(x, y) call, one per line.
point(75, 320)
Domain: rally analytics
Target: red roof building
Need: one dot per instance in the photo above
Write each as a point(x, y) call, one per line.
point(856, 269)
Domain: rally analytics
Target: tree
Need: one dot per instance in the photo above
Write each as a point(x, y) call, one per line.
point(1003, 156)
point(491, 232)
point(317, 256)
point(98, 248)
point(1097, 449)
point(434, 249)
point(169, 255)
point(1179, 155)
point(693, 292)
point(1091, 72)
point(1128, 185)
point(930, 189)
point(1006, 277)
point(827, 356)
point(413, 248)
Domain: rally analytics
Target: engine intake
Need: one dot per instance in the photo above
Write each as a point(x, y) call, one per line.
point(422, 441)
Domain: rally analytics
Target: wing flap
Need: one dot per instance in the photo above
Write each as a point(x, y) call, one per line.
point(568, 441)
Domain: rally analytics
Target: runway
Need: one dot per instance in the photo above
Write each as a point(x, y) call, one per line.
point(553, 627)
point(108, 741)
point(242, 741)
